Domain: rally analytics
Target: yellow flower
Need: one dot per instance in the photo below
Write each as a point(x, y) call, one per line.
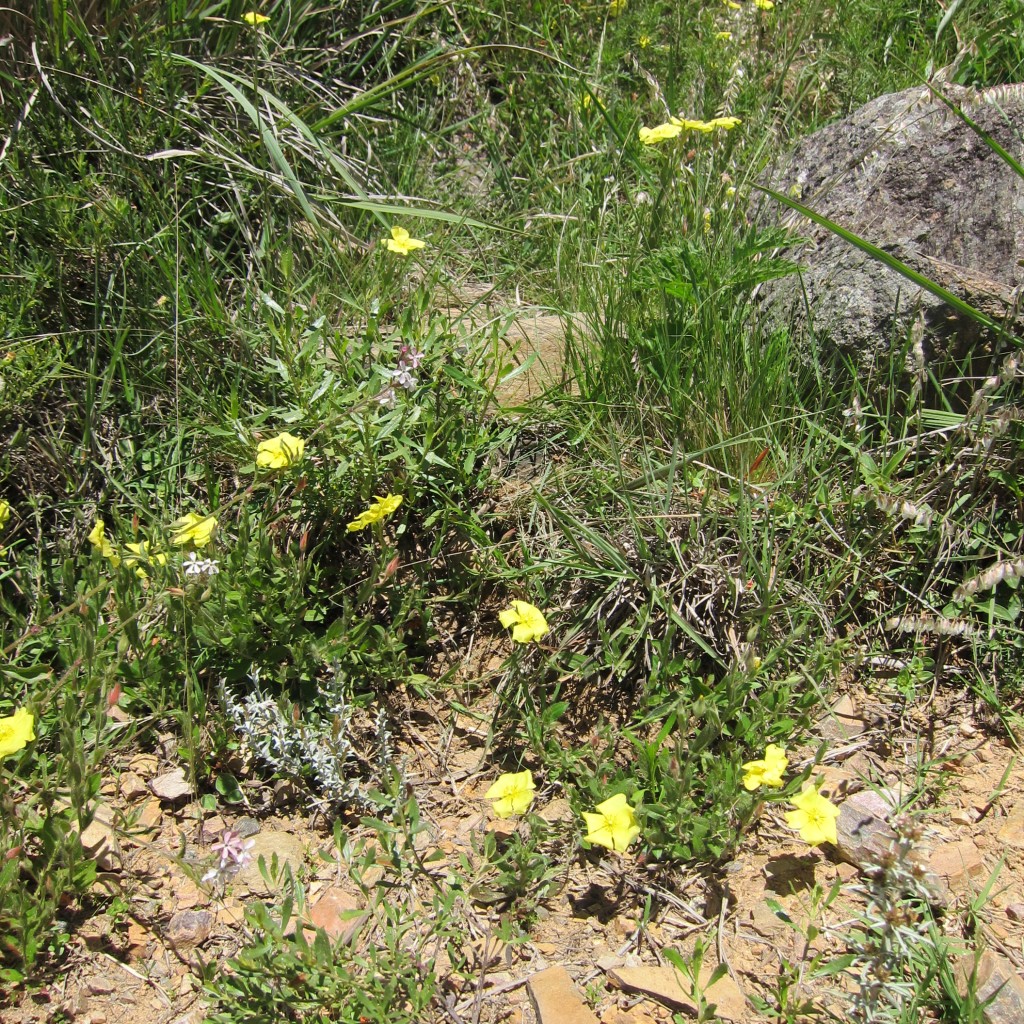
point(814, 818)
point(380, 509)
point(15, 731)
point(661, 133)
point(5, 513)
point(143, 554)
point(193, 529)
point(512, 793)
point(401, 242)
point(616, 7)
point(614, 825)
point(526, 621)
point(279, 452)
point(732, 5)
point(767, 772)
point(644, 41)
point(98, 539)
point(764, 5)
point(725, 123)
point(723, 35)
point(254, 18)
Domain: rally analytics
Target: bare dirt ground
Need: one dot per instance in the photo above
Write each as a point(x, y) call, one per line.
point(138, 960)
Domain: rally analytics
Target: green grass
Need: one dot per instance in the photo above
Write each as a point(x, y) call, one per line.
point(716, 527)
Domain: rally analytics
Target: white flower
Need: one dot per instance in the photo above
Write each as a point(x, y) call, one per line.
point(387, 398)
point(196, 566)
point(403, 378)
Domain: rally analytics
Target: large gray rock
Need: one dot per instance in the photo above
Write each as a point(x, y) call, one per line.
point(907, 174)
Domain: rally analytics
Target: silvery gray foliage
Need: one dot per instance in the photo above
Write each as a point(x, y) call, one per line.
point(893, 931)
point(317, 747)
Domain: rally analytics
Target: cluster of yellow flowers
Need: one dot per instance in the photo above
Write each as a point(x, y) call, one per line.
point(675, 126)
point(815, 815)
point(611, 824)
point(140, 552)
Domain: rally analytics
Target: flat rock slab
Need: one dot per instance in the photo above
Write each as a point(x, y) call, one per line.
point(338, 912)
point(675, 989)
point(556, 1000)
point(997, 984)
point(171, 786)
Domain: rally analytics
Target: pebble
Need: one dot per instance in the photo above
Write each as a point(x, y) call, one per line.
point(132, 787)
point(556, 1000)
point(172, 786)
point(1015, 911)
point(189, 927)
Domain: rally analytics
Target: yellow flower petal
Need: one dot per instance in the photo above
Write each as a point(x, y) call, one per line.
point(98, 539)
point(280, 452)
point(526, 621)
point(767, 772)
point(660, 133)
point(612, 824)
point(193, 529)
point(512, 793)
point(254, 18)
point(814, 818)
point(15, 731)
point(402, 242)
point(380, 509)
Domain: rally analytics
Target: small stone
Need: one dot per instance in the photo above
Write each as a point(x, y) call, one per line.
point(767, 923)
point(100, 986)
point(150, 815)
point(997, 987)
point(842, 722)
point(132, 787)
point(1011, 833)
point(290, 852)
point(864, 835)
point(189, 927)
point(957, 863)
point(676, 990)
point(144, 764)
point(172, 786)
point(338, 912)
point(556, 999)
point(213, 828)
point(962, 816)
point(100, 843)
point(138, 939)
point(1015, 911)
point(247, 827)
